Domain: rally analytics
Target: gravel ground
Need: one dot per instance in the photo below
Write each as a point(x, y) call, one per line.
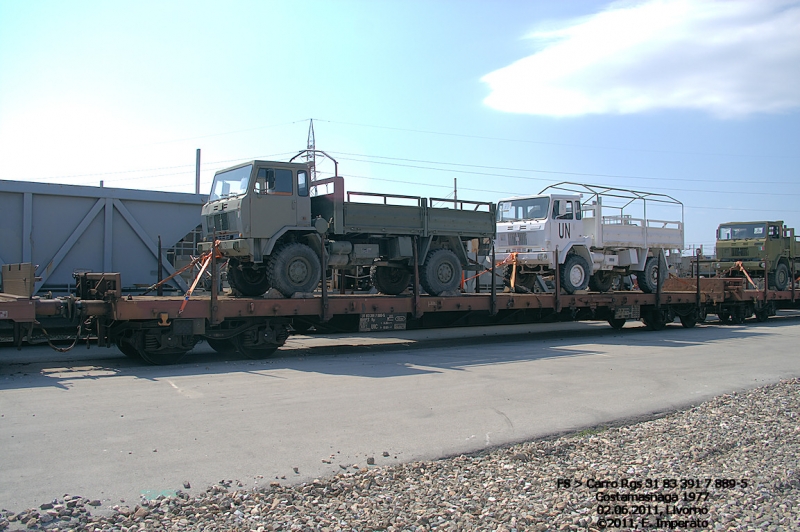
point(728, 464)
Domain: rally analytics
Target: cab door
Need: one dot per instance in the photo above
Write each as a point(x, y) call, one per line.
point(564, 227)
point(280, 199)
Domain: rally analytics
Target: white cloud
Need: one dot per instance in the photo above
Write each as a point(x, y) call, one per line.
point(730, 58)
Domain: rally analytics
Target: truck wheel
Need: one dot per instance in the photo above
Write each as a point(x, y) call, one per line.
point(648, 279)
point(779, 279)
point(294, 268)
point(441, 272)
point(246, 279)
point(574, 274)
point(602, 281)
point(388, 280)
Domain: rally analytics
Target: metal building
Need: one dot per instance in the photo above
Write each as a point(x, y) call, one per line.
point(64, 229)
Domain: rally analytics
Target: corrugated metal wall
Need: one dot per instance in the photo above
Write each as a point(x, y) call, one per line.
point(68, 228)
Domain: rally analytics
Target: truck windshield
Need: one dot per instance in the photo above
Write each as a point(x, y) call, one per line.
point(523, 209)
point(741, 231)
point(231, 183)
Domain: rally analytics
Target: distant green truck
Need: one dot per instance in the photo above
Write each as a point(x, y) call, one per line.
point(271, 221)
point(759, 246)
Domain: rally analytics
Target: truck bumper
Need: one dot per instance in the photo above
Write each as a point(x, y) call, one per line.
point(749, 265)
point(230, 248)
point(532, 258)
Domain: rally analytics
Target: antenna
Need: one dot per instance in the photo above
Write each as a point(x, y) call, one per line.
point(311, 151)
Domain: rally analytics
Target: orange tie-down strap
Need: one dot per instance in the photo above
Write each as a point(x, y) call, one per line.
point(206, 258)
point(739, 267)
point(511, 259)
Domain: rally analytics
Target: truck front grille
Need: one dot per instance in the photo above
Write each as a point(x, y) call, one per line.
point(218, 222)
point(740, 252)
point(513, 238)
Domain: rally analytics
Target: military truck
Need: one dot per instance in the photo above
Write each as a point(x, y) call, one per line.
point(271, 221)
point(594, 249)
point(758, 246)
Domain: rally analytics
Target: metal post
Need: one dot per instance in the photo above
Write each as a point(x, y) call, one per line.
point(792, 272)
point(214, 282)
point(698, 254)
point(417, 312)
point(160, 275)
point(493, 309)
point(658, 280)
point(341, 280)
point(557, 297)
point(325, 314)
point(197, 173)
point(766, 279)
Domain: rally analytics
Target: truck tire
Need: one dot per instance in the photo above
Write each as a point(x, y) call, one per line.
point(648, 279)
point(779, 279)
point(388, 280)
point(247, 280)
point(602, 281)
point(574, 274)
point(441, 272)
point(294, 268)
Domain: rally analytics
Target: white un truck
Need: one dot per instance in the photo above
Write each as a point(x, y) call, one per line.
point(587, 232)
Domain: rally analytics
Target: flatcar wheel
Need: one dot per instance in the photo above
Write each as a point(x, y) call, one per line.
point(224, 346)
point(128, 350)
point(724, 317)
point(254, 353)
point(688, 321)
point(617, 323)
point(654, 320)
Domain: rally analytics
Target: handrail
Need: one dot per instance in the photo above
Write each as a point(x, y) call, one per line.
point(385, 197)
point(459, 204)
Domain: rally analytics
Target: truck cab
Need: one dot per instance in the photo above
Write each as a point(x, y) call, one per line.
point(534, 226)
point(251, 205)
point(758, 246)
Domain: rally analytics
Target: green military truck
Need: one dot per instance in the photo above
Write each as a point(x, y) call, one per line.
point(758, 246)
point(270, 220)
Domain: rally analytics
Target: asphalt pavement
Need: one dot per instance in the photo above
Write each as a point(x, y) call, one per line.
point(93, 423)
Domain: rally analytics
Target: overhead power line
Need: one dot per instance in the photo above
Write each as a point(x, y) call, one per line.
point(511, 169)
point(492, 174)
point(549, 143)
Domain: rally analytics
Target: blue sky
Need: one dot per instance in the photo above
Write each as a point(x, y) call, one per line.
point(696, 99)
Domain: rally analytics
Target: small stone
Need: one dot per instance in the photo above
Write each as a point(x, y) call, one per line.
point(94, 502)
point(371, 460)
point(385, 454)
point(186, 484)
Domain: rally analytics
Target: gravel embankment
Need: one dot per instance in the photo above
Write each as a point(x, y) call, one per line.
point(707, 451)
